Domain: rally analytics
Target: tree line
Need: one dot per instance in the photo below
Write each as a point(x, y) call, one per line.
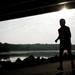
point(5, 47)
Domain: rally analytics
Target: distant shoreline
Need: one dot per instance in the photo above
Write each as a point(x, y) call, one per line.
point(6, 47)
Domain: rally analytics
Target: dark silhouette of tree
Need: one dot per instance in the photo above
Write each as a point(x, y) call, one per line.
point(4, 47)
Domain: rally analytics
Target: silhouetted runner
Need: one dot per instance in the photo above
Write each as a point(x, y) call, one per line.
point(65, 43)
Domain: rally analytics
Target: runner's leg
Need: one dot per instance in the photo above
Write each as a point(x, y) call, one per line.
point(71, 58)
point(61, 59)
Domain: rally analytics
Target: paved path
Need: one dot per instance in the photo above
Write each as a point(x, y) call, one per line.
point(45, 69)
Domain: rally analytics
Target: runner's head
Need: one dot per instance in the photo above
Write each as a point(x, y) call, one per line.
point(62, 22)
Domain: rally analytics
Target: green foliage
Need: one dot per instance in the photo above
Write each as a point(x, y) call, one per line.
point(28, 47)
point(5, 47)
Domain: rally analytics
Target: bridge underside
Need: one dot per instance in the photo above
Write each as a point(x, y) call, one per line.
point(11, 9)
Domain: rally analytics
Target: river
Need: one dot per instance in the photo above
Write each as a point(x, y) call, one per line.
point(23, 54)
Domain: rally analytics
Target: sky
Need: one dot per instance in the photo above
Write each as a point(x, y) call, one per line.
point(41, 28)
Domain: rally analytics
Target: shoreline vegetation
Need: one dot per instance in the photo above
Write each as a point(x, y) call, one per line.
point(6, 47)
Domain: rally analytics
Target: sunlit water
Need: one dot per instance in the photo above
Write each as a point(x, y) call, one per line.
point(24, 54)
